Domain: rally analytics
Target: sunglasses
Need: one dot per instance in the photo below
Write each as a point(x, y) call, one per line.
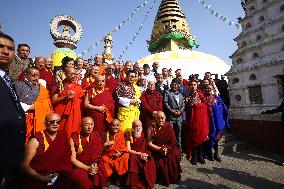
point(54, 121)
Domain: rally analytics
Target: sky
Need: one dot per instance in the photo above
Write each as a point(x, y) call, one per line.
point(29, 22)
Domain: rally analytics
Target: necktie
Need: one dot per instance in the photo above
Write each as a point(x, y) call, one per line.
point(9, 84)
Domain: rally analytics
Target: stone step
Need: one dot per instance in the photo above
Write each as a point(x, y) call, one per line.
point(232, 147)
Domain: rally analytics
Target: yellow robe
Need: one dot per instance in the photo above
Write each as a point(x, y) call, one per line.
point(126, 115)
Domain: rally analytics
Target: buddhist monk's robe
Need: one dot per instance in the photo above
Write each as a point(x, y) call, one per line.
point(141, 173)
point(127, 113)
point(102, 70)
point(89, 153)
point(87, 82)
point(38, 96)
point(99, 99)
point(111, 83)
point(168, 166)
point(112, 163)
point(151, 100)
point(197, 130)
point(51, 157)
point(70, 110)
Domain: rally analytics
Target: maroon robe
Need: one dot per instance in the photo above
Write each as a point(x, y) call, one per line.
point(150, 101)
point(104, 98)
point(197, 130)
point(168, 166)
point(111, 83)
point(56, 159)
point(91, 153)
point(141, 173)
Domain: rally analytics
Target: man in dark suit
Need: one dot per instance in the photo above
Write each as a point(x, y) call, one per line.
point(12, 119)
point(174, 106)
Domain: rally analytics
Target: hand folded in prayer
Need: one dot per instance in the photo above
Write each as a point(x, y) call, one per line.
point(93, 169)
point(70, 94)
point(118, 154)
point(144, 156)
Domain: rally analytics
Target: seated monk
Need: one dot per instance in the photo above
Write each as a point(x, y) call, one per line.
point(67, 101)
point(86, 147)
point(47, 157)
point(99, 105)
point(162, 142)
point(115, 155)
point(142, 168)
point(35, 101)
point(88, 81)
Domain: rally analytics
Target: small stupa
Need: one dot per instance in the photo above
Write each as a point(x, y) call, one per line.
point(171, 44)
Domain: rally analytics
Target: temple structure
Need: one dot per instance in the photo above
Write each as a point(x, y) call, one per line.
point(256, 79)
point(171, 44)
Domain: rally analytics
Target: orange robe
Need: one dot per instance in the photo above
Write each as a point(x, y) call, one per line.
point(70, 110)
point(35, 120)
point(111, 162)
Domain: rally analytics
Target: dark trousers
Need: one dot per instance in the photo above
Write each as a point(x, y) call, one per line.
point(178, 128)
point(8, 179)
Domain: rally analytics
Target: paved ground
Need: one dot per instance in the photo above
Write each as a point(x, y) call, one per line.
point(245, 169)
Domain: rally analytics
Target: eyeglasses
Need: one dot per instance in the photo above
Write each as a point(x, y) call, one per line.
point(54, 121)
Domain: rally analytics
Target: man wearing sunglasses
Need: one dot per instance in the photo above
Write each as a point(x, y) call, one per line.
point(47, 157)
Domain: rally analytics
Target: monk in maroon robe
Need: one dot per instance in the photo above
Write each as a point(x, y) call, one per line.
point(47, 158)
point(142, 168)
point(111, 82)
point(88, 81)
point(162, 142)
point(86, 147)
point(99, 105)
point(151, 102)
point(197, 130)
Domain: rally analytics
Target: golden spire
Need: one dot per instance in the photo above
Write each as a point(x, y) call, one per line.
point(170, 30)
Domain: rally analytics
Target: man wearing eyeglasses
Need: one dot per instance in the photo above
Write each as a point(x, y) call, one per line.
point(34, 99)
point(47, 157)
point(67, 101)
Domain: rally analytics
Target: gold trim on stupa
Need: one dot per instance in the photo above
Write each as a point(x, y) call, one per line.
point(171, 30)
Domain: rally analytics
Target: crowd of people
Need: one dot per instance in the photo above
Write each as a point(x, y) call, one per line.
point(84, 126)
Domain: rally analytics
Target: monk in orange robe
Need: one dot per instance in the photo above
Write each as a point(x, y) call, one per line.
point(47, 162)
point(88, 81)
point(86, 147)
point(67, 100)
point(99, 104)
point(35, 99)
point(115, 155)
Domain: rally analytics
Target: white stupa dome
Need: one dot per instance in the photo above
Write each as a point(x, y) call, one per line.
point(190, 62)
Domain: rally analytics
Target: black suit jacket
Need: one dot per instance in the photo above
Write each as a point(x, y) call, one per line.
point(12, 130)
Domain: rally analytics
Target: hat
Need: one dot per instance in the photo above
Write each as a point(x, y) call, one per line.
point(174, 81)
point(146, 66)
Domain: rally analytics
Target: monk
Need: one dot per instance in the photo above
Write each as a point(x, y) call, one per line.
point(111, 82)
point(88, 81)
point(99, 60)
point(197, 130)
point(162, 142)
point(142, 168)
point(99, 105)
point(86, 147)
point(128, 95)
point(35, 99)
point(115, 155)
point(151, 102)
point(67, 100)
point(47, 158)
